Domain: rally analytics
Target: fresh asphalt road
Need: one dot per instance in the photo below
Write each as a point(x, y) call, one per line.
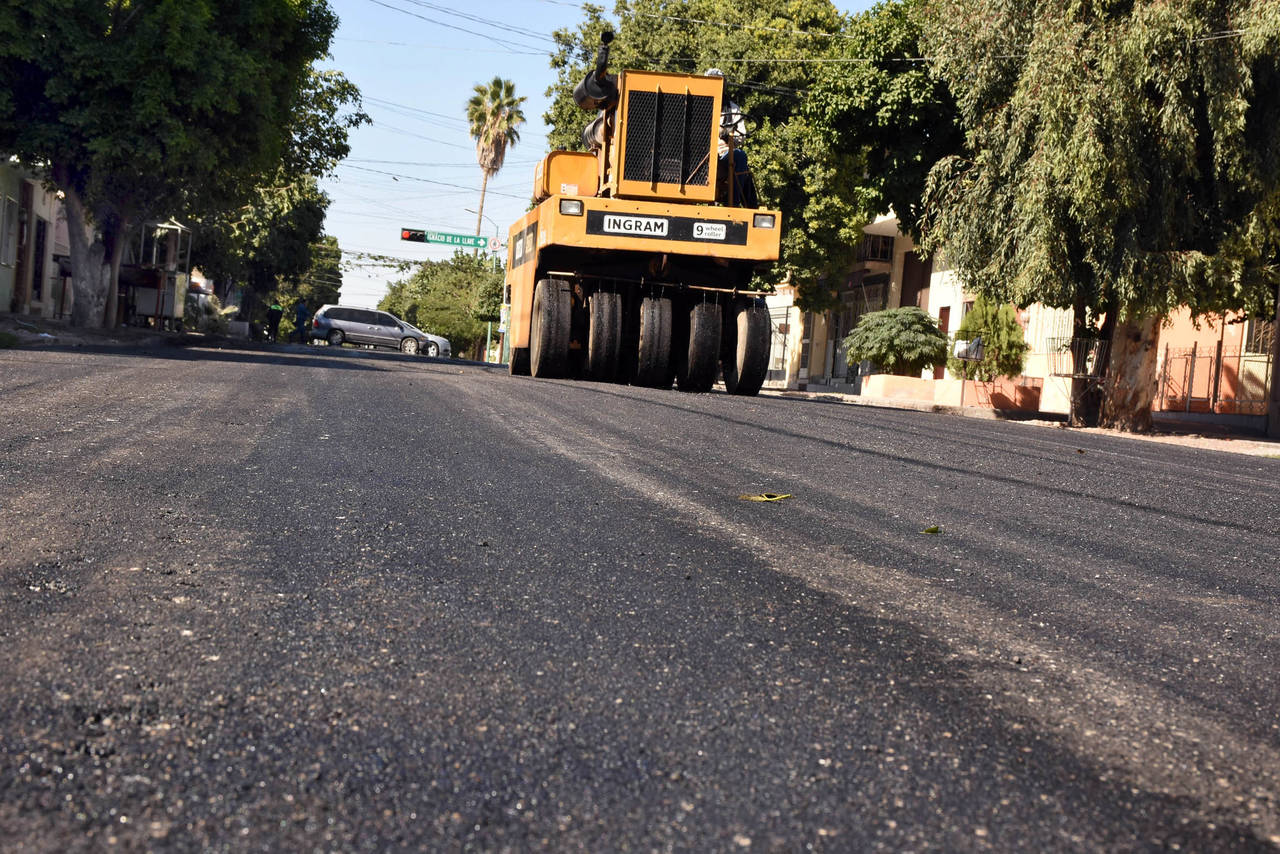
point(304, 599)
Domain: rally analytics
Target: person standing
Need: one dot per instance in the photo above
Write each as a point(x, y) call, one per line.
point(274, 313)
point(300, 317)
point(737, 187)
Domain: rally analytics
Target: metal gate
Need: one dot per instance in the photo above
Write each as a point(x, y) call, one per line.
point(1233, 380)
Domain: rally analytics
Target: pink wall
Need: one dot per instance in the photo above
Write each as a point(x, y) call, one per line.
point(1022, 394)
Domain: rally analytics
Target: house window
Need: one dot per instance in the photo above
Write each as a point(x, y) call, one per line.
point(805, 341)
point(875, 247)
point(9, 232)
point(37, 275)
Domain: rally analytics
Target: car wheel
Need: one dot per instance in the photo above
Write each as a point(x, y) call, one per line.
point(433, 349)
point(334, 338)
point(409, 346)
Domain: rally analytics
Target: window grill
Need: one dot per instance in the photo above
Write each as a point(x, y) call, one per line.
point(667, 135)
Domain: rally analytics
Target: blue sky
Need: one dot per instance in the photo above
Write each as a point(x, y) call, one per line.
point(416, 62)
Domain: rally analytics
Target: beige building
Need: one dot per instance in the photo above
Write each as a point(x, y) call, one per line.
point(33, 241)
point(891, 272)
point(808, 349)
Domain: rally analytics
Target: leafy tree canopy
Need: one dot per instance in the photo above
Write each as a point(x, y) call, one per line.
point(903, 341)
point(320, 284)
point(877, 102)
point(494, 116)
point(268, 240)
point(1004, 346)
point(454, 298)
point(161, 109)
point(764, 48)
point(1123, 153)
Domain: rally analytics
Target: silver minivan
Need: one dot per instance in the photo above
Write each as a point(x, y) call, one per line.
point(339, 324)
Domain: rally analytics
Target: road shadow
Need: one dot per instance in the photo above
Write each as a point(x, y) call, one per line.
point(292, 356)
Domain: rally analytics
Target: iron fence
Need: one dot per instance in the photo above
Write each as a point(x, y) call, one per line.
point(1214, 379)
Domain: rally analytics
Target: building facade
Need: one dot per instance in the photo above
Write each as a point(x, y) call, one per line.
point(1214, 368)
point(33, 246)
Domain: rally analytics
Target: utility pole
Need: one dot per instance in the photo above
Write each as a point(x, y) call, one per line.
point(488, 327)
point(1273, 407)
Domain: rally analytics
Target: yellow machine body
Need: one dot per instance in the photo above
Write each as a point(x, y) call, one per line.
point(642, 233)
point(570, 173)
point(647, 232)
point(666, 137)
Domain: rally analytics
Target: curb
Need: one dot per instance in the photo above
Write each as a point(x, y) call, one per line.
point(983, 412)
point(1221, 439)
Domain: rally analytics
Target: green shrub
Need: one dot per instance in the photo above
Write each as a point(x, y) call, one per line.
point(1004, 347)
point(903, 341)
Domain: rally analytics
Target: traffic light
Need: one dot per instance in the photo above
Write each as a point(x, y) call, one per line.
point(416, 235)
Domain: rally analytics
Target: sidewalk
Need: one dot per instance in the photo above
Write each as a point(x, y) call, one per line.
point(1217, 440)
point(31, 331)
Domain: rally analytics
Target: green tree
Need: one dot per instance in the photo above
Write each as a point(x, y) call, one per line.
point(1004, 347)
point(319, 284)
point(1123, 163)
point(147, 109)
point(455, 298)
point(495, 117)
point(877, 102)
point(902, 341)
point(270, 240)
point(768, 50)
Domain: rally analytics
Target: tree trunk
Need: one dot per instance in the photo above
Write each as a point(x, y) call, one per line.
point(1086, 395)
point(1131, 382)
point(115, 242)
point(1086, 392)
point(1273, 411)
point(90, 271)
point(484, 184)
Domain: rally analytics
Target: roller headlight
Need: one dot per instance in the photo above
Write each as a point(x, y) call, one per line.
point(761, 220)
point(571, 207)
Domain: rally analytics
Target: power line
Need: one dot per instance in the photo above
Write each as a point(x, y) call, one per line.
point(423, 180)
point(487, 22)
point(471, 164)
point(493, 39)
point(733, 26)
point(384, 102)
point(421, 46)
point(1215, 36)
point(411, 112)
point(404, 132)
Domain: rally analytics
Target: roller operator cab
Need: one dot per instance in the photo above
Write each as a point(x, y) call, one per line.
point(635, 265)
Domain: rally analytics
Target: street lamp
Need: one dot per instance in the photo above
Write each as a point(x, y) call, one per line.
point(486, 216)
point(488, 332)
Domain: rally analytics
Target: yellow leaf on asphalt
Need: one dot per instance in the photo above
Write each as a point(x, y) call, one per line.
point(765, 496)
point(932, 529)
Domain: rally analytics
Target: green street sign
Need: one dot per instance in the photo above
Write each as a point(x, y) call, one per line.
point(466, 241)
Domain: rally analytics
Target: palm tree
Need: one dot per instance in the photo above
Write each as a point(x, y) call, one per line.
point(495, 116)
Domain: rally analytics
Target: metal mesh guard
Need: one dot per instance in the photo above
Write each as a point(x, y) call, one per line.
point(645, 123)
point(1077, 357)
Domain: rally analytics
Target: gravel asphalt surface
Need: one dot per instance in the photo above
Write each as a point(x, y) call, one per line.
point(301, 599)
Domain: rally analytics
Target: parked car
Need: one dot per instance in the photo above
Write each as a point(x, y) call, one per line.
point(340, 324)
point(434, 345)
